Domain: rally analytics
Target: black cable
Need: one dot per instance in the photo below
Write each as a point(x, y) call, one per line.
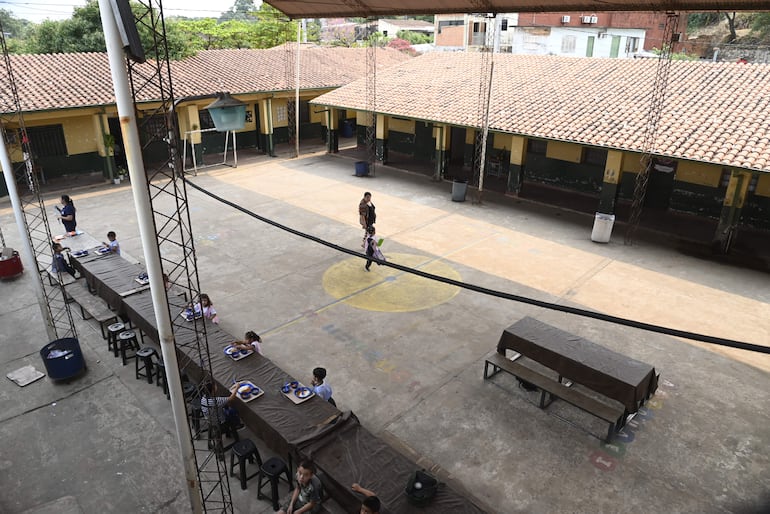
point(499, 294)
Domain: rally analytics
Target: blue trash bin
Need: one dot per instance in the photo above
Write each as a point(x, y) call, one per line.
point(347, 129)
point(362, 168)
point(63, 358)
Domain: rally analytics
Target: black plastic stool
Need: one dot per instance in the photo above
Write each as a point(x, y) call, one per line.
point(145, 356)
point(127, 341)
point(245, 450)
point(112, 336)
point(160, 377)
point(272, 470)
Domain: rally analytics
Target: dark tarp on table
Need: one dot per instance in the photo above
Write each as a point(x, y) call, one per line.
point(353, 454)
point(586, 363)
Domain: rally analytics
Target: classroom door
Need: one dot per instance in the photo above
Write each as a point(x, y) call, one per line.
point(590, 46)
point(615, 48)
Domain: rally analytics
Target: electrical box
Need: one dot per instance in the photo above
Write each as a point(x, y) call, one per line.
point(565, 19)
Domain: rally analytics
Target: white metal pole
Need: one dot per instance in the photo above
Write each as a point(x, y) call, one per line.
point(140, 190)
point(26, 246)
point(296, 93)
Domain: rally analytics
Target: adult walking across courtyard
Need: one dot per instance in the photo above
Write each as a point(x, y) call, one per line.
point(366, 213)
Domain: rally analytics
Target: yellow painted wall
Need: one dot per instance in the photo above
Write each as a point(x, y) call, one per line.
point(763, 185)
point(564, 151)
point(501, 141)
point(399, 125)
point(318, 117)
point(364, 118)
point(470, 136)
point(737, 188)
point(79, 135)
point(698, 173)
point(383, 127)
point(631, 162)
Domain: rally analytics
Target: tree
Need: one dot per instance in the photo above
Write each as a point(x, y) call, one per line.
point(83, 33)
point(402, 45)
point(761, 24)
point(731, 26)
point(415, 38)
point(242, 10)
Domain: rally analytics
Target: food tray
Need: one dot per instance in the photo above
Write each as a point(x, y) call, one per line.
point(293, 397)
point(252, 396)
point(240, 354)
point(188, 315)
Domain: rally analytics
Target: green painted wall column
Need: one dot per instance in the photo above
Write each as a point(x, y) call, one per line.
point(266, 125)
point(105, 144)
point(381, 144)
point(332, 131)
point(469, 149)
point(516, 164)
point(442, 134)
point(735, 197)
point(613, 169)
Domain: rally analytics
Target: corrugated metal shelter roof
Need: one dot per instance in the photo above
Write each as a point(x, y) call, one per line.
point(713, 112)
point(385, 8)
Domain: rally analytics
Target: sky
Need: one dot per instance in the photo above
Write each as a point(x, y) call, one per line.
point(39, 10)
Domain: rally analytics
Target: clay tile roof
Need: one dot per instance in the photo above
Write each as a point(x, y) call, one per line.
point(713, 112)
point(62, 81)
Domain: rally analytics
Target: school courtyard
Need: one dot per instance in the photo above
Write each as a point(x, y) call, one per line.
point(405, 354)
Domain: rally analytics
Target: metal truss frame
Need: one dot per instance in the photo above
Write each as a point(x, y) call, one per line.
point(659, 89)
point(54, 305)
point(173, 229)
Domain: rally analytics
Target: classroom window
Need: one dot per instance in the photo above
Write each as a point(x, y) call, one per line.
point(47, 141)
point(537, 146)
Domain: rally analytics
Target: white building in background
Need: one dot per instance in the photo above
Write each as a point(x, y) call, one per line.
point(391, 27)
point(615, 35)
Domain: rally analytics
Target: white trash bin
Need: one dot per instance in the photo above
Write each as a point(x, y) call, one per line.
point(602, 227)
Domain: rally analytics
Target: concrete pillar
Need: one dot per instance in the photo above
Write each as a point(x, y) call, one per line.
point(516, 164)
point(192, 121)
point(442, 135)
point(332, 131)
point(266, 126)
point(105, 145)
point(381, 145)
point(735, 197)
point(613, 169)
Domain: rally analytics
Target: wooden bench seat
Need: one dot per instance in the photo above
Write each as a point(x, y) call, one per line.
point(89, 303)
point(612, 411)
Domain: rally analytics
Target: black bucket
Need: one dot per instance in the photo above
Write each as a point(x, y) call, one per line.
point(63, 359)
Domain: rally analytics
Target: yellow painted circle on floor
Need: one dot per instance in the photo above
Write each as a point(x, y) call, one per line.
point(386, 289)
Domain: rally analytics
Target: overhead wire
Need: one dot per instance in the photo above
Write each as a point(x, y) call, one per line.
point(720, 341)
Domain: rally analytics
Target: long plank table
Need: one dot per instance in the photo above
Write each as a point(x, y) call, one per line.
point(600, 369)
point(308, 429)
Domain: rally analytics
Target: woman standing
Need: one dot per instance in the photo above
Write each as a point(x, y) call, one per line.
point(67, 215)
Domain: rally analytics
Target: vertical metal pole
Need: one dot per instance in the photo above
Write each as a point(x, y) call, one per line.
point(151, 252)
point(26, 246)
point(485, 129)
point(296, 93)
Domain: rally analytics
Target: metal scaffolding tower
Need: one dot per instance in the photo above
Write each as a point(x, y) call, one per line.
point(31, 211)
point(657, 100)
point(173, 230)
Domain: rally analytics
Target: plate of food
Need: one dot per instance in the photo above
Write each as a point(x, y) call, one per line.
point(230, 350)
point(188, 314)
point(80, 253)
point(247, 391)
point(302, 392)
point(102, 251)
point(235, 353)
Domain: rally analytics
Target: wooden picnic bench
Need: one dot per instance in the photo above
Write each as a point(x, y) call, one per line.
point(612, 412)
point(91, 304)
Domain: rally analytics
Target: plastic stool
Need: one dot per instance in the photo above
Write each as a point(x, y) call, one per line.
point(127, 341)
point(112, 336)
point(145, 357)
point(160, 377)
point(272, 470)
point(245, 450)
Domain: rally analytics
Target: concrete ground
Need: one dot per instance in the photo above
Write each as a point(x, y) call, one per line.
point(406, 355)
